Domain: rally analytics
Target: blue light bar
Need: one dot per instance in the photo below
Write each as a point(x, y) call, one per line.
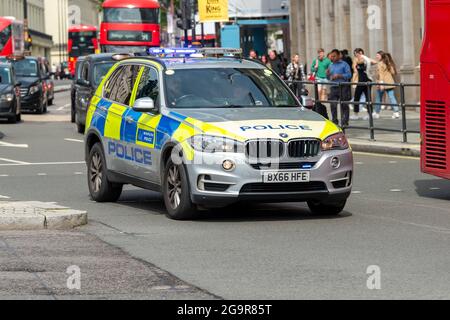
point(172, 51)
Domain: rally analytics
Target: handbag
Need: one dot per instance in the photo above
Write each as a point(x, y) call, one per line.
point(312, 77)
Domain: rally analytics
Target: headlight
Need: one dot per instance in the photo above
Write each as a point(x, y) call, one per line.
point(212, 144)
point(34, 89)
point(8, 97)
point(335, 142)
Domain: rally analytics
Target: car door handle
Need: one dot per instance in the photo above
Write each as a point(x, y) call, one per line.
point(129, 119)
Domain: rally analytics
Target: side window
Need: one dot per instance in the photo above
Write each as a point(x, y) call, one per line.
point(149, 85)
point(123, 87)
point(110, 85)
point(85, 72)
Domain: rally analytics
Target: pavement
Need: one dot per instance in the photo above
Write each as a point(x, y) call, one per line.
point(396, 221)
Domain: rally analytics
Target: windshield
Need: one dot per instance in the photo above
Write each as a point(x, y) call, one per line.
point(82, 43)
point(226, 88)
point(26, 68)
point(131, 15)
point(100, 70)
point(5, 34)
point(5, 75)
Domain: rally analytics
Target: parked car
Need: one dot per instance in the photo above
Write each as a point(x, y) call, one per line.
point(89, 72)
point(33, 78)
point(9, 94)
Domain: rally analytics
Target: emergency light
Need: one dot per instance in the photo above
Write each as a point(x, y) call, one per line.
point(194, 52)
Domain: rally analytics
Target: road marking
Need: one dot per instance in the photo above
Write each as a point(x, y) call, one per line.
point(359, 163)
point(386, 156)
point(12, 145)
point(356, 192)
point(40, 164)
point(42, 174)
point(433, 189)
point(4, 197)
point(393, 162)
point(78, 173)
point(74, 140)
point(396, 190)
point(63, 107)
point(4, 175)
point(14, 161)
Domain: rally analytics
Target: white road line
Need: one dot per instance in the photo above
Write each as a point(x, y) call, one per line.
point(433, 189)
point(356, 192)
point(396, 190)
point(12, 145)
point(385, 156)
point(393, 162)
point(4, 197)
point(14, 161)
point(4, 175)
point(359, 163)
point(74, 140)
point(42, 174)
point(63, 107)
point(78, 173)
point(40, 164)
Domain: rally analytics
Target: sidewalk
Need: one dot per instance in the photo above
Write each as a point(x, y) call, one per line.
point(65, 265)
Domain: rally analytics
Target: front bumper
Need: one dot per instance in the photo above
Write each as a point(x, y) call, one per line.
point(212, 186)
point(7, 109)
point(31, 102)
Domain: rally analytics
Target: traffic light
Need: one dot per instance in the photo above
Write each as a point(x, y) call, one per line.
point(28, 43)
point(184, 15)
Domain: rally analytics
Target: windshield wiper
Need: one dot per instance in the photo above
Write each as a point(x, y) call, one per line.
point(233, 106)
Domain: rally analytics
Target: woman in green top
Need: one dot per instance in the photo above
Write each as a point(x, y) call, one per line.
point(319, 69)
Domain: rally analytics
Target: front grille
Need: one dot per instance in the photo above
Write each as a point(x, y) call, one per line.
point(284, 166)
point(264, 149)
point(435, 135)
point(23, 92)
point(283, 187)
point(304, 148)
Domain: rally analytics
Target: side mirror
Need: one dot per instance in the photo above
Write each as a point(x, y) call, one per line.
point(307, 102)
point(145, 105)
point(82, 82)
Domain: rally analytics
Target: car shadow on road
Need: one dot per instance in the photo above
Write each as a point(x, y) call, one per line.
point(433, 188)
point(152, 202)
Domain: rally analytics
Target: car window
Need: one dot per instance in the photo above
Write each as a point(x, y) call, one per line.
point(149, 85)
point(100, 70)
point(26, 68)
point(119, 86)
point(85, 72)
point(79, 67)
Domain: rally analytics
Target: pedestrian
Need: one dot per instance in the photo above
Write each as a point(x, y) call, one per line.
point(265, 61)
point(319, 69)
point(348, 59)
point(295, 72)
point(275, 63)
point(361, 67)
point(339, 72)
point(387, 72)
point(253, 55)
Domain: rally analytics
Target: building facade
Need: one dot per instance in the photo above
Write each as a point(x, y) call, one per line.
point(394, 26)
point(42, 42)
point(60, 15)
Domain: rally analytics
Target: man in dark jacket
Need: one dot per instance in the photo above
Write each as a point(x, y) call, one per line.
point(275, 63)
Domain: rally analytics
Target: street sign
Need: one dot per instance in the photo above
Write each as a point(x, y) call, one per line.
point(213, 10)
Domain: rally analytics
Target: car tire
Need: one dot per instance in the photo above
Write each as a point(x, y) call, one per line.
point(50, 102)
point(327, 208)
point(100, 188)
point(72, 115)
point(176, 193)
point(80, 127)
point(12, 119)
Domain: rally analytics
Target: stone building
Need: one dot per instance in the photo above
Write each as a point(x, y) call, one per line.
point(395, 26)
point(42, 42)
point(60, 14)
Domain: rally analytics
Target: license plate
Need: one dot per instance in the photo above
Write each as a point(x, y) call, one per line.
point(286, 176)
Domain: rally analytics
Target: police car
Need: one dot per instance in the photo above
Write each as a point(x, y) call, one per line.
point(207, 128)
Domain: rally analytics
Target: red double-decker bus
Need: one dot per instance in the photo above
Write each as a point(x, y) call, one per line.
point(82, 41)
point(129, 25)
point(435, 95)
point(11, 37)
